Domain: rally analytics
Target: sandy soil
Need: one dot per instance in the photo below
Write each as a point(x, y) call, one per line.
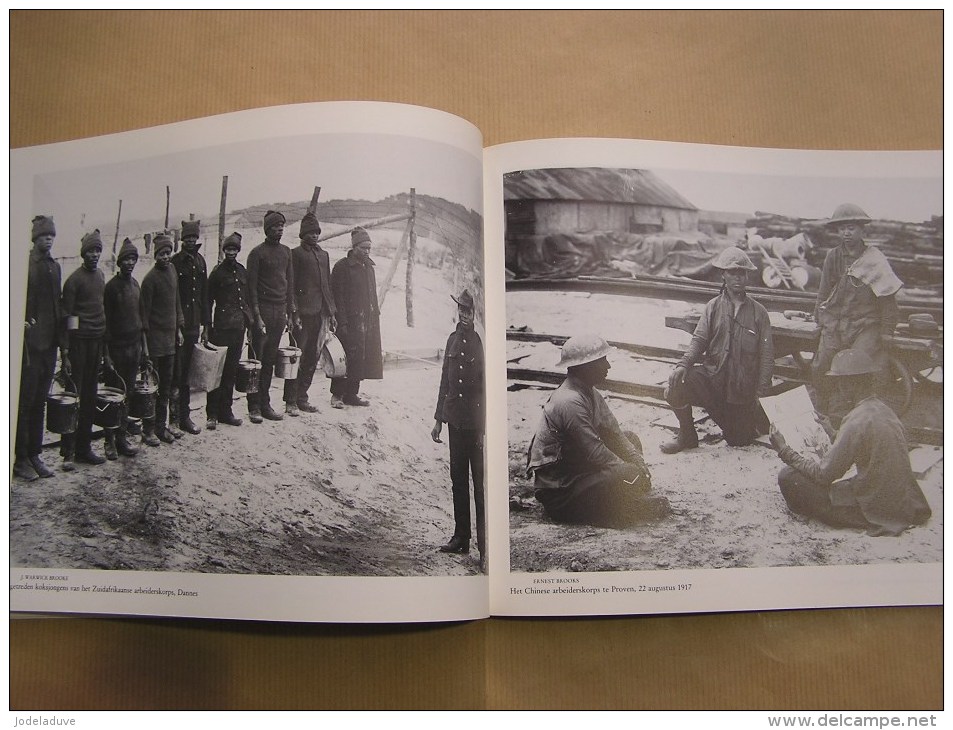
point(727, 510)
point(360, 491)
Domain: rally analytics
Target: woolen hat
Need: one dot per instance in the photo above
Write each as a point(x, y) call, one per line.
point(273, 218)
point(848, 213)
point(359, 235)
point(160, 242)
point(733, 258)
point(309, 224)
point(127, 249)
point(91, 240)
point(465, 300)
point(43, 226)
point(233, 241)
point(191, 228)
point(581, 349)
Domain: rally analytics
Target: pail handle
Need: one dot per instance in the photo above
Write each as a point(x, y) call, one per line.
point(147, 370)
point(62, 375)
point(251, 350)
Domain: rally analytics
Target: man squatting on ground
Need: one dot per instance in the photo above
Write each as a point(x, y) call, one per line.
point(42, 334)
point(162, 321)
point(587, 471)
point(359, 325)
point(228, 296)
point(460, 405)
point(856, 305)
point(123, 339)
point(271, 294)
point(728, 364)
point(314, 304)
point(884, 497)
point(83, 299)
point(193, 296)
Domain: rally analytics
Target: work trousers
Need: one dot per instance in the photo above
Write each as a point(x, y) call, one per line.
point(126, 357)
point(466, 460)
point(345, 387)
point(219, 401)
point(310, 338)
point(266, 348)
point(183, 363)
point(806, 497)
point(165, 371)
point(85, 356)
point(36, 377)
point(612, 497)
point(739, 422)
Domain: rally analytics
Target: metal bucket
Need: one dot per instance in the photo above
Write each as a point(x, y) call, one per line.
point(142, 400)
point(62, 412)
point(246, 377)
point(333, 359)
point(109, 406)
point(286, 366)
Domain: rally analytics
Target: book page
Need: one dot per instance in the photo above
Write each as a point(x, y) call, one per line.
point(618, 240)
point(337, 511)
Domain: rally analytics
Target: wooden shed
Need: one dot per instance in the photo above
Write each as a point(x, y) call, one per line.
point(588, 199)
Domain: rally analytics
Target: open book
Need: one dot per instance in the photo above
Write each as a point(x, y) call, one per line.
point(339, 515)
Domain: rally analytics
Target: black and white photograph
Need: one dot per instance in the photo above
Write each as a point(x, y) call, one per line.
point(654, 318)
point(255, 358)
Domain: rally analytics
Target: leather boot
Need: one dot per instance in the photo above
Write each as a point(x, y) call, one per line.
point(110, 444)
point(457, 545)
point(687, 436)
point(149, 433)
point(124, 447)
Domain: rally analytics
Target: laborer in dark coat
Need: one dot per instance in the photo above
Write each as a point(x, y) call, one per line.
point(231, 314)
point(883, 497)
point(83, 300)
point(42, 334)
point(123, 338)
point(460, 404)
point(856, 304)
point(728, 364)
point(359, 324)
point(271, 294)
point(586, 470)
point(193, 295)
point(315, 308)
point(162, 321)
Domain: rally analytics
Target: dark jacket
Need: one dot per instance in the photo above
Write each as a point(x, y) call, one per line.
point(228, 294)
point(461, 397)
point(312, 279)
point(847, 305)
point(270, 277)
point(43, 291)
point(193, 289)
point(123, 315)
point(83, 298)
point(359, 324)
point(161, 310)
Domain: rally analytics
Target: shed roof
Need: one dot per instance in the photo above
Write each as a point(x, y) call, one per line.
point(600, 184)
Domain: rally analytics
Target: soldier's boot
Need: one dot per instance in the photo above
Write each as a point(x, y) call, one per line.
point(123, 446)
point(687, 436)
point(149, 437)
point(109, 438)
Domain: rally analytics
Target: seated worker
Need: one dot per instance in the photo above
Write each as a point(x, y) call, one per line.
point(884, 497)
point(728, 364)
point(587, 471)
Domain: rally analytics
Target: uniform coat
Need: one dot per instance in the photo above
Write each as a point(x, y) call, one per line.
point(359, 325)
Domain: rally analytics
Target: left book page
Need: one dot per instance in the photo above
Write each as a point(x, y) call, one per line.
point(330, 500)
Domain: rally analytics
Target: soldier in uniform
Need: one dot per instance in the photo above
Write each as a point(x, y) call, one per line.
point(42, 334)
point(728, 364)
point(856, 305)
point(460, 405)
point(228, 296)
point(193, 294)
point(883, 497)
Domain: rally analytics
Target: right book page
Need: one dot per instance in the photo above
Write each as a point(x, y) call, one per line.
point(641, 298)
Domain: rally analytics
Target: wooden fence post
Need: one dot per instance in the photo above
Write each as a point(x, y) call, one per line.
point(411, 252)
point(221, 218)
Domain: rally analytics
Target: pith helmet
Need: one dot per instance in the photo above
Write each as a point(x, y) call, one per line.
point(581, 349)
point(733, 258)
point(852, 362)
point(848, 213)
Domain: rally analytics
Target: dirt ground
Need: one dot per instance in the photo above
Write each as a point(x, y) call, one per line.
point(726, 507)
point(359, 491)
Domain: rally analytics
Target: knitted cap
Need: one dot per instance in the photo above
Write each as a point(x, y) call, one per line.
point(359, 235)
point(91, 240)
point(309, 224)
point(273, 218)
point(43, 226)
point(233, 241)
point(190, 228)
point(127, 249)
point(160, 242)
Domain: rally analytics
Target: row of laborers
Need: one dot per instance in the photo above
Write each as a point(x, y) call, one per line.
point(120, 326)
point(123, 327)
point(587, 470)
